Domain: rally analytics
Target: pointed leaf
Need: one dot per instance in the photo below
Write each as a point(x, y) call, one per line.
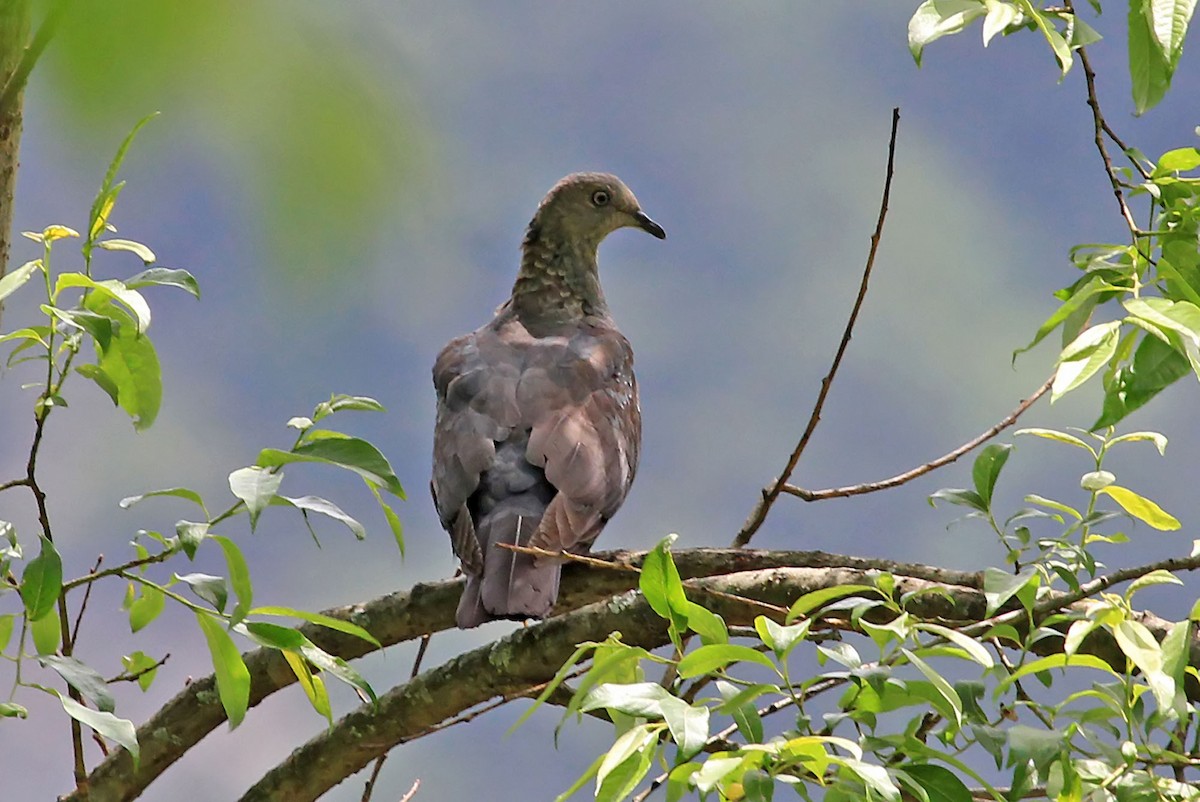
point(233, 679)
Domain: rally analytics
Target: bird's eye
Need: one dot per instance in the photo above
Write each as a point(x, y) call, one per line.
point(601, 197)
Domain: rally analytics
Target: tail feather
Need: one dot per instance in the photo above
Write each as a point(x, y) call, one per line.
point(511, 585)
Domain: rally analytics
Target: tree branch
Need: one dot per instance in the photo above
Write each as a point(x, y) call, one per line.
point(721, 577)
point(531, 655)
point(771, 493)
point(921, 470)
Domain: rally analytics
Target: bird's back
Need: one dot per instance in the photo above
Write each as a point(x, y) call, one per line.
point(530, 424)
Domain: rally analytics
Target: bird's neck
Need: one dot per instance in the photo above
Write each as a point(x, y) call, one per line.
point(558, 282)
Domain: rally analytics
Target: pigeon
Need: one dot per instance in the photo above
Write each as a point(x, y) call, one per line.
point(538, 424)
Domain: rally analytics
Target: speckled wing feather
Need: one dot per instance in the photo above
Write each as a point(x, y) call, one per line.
point(536, 442)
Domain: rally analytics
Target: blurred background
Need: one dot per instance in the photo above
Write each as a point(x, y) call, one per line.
point(350, 190)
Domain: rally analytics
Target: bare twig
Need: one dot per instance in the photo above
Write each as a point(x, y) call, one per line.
point(125, 676)
point(921, 470)
point(1101, 128)
point(87, 594)
point(22, 482)
point(771, 493)
point(370, 788)
point(416, 669)
point(595, 562)
point(411, 791)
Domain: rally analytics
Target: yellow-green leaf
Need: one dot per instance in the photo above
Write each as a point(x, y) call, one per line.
point(1142, 508)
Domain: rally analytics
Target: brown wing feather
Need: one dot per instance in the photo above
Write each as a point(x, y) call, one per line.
point(575, 401)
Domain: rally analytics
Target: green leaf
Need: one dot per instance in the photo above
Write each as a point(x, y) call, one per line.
point(739, 703)
point(141, 665)
point(191, 534)
point(1142, 508)
point(313, 685)
point(1062, 437)
point(1159, 577)
point(1000, 586)
point(999, 17)
point(11, 710)
point(115, 729)
point(317, 504)
point(41, 583)
point(638, 699)
point(1168, 22)
point(1086, 354)
point(393, 520)
point(941, 784)
point(82, 678)
point(13, 280)
point(819, 598)
point(132, 365)
point(337, 667)
point(781, 639)
point(1160, 442)
point(6, 629)
point(875, 778)
point(319, 619)
point(338, 403)
point(959, 497)
point(944, 688)
point(141, 251)
point(986, 469)
point(626, 762)
point(146, 607)
point(687, 723)
point(239, 577)
point(102, 380)
point(1149, 69)
point(47, 633)
point(211, 589)
point(705, 623)
point(1043, 21)
point(717, 656)
point(255, 487)
point(934, 19)
point(1051, 662)
point(1040, 746)
point(1179, 160)
point(350, 453)
point(165, 277)
point(971, 646)
point(102, 205)
point(233, 679)
point(659, 582)
point(109, 289)
point(177, 492)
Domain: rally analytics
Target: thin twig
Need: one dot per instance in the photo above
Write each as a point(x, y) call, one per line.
point(566, 556)
point(370, 788)
point(416, 669)
point(771, 492)
point(45, 32)
point(1022, 695)
point(411, 791)
point(87, 594)
point(22, 482)
point(1100, 128)
point(125, 676)
point(921, 470)
point(595, 562)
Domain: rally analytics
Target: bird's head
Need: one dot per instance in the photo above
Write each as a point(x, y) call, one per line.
point(586, 207)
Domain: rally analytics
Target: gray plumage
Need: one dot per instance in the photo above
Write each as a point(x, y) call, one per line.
point(538, 425)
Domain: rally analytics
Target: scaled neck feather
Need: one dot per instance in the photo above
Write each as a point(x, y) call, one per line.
point(558, 282)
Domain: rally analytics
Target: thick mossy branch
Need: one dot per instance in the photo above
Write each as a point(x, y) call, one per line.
point(601, 602)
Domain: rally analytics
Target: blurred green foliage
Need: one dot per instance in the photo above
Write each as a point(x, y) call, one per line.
point(311, 118)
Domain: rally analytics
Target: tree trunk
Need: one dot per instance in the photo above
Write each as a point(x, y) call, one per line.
point(14, 33)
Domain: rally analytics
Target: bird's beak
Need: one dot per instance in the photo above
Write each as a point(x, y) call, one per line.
point(644, 222)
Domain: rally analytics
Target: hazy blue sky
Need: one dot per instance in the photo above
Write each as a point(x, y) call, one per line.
point(754, 133)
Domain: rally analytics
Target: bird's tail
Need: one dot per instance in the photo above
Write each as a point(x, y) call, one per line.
point(512, 585)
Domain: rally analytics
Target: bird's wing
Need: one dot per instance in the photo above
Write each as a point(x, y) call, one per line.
point(575, 398)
